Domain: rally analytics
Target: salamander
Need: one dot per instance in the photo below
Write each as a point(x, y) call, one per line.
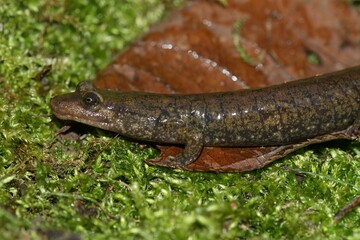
point(271, 116)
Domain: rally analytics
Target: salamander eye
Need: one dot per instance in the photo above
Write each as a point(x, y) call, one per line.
point(91, 99)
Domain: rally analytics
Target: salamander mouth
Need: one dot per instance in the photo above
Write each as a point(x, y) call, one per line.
point(68, 117)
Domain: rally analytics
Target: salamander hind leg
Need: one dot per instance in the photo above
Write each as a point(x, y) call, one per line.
point(193, 147)
point(354, 129)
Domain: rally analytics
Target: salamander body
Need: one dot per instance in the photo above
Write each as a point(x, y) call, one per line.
point(276, 115)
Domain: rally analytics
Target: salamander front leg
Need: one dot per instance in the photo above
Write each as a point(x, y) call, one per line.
point(193, 147)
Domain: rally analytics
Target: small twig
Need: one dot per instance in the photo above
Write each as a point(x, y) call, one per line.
point(62, 130)
point(348, 208)
point(325, 177)
point(43, 73)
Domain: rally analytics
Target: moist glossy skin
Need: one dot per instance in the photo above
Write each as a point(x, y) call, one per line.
point(275, 115)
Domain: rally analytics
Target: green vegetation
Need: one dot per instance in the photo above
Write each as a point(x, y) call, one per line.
point(97, 187)
point(236, 38)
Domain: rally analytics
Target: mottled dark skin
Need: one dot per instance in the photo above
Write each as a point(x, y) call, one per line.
point(271, 116)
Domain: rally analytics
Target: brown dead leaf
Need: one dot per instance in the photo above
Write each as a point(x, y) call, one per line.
point(206, 47)
point(239, 159)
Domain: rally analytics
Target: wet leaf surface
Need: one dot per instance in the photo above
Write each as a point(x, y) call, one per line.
point(209, 47)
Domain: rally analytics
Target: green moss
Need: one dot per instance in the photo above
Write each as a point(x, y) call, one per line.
point(97, 186)
point(240, 48)
point(354, 2)
point(313, 58)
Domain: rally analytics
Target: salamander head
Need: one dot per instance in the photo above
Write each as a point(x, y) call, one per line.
point(86, 105)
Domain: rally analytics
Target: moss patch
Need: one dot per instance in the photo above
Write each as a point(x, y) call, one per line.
point(97, 187)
